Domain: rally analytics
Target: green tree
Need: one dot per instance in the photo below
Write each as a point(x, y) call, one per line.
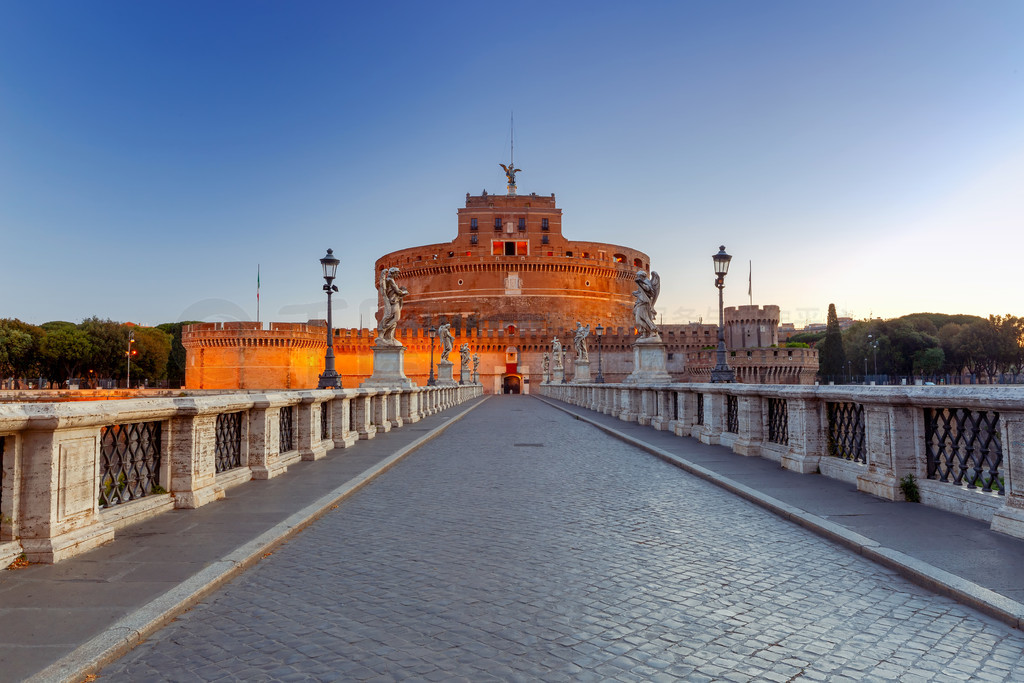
point(928, 361)
point(109, 341)
point(65, 348)
point(154, 348)
point(19, 348)
point(831, 354)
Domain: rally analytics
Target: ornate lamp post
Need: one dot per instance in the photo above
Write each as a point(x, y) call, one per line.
point(874, 347)
point(721, 371)
point(433, 335)
point(131, 352)
point(599, 332)
point(330, 378)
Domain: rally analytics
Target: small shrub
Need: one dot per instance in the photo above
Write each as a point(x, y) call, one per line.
point(908, 485)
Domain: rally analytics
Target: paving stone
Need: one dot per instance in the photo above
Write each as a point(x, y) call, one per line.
point(584, 559)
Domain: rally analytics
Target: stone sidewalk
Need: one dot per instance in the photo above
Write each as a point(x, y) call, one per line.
point(69, 617)
point(527, 545)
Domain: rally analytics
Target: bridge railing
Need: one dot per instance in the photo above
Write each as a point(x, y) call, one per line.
point(74, 473)
point(960, 449)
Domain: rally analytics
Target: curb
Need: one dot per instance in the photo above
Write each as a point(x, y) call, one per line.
point(127, 632)
point(923, 574)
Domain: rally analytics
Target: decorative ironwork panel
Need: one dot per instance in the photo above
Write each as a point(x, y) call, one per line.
point(351, 415)
point(732, 415)
point(964, 446)
point(325, 429)
point(700, 409)
point(778, 421)
point(3, 470)
point(846, 431)
point(675, 405)
point(129, 462)
point(229, 441)
point(285, 423)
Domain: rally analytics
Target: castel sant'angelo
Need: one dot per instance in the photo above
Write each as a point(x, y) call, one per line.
point(508, 284)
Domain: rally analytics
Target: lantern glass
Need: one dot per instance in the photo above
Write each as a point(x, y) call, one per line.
point(330, 265)
point(599, 330)
point(721, 260)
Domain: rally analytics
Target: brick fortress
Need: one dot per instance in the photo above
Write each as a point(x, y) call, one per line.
point(508, 283)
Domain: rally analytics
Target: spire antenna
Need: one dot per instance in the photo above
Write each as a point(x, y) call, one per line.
point(511, 170)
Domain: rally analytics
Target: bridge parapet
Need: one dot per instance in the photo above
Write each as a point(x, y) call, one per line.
point(960, 449)
point(74, 473)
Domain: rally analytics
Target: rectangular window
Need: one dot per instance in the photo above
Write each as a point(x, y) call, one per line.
point(497, 224)
point(522, 248)
point(497, 248)
point(510, 248)
point(543, 223)
point(472, 239)
point(543, 239)
point(568, 253)
point(473, 225)
point(522, 225)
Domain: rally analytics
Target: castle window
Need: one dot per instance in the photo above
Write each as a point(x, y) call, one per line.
point(568, 253)
point(638, 263)
point(586, 254)
point(543, 223)
point(497, 224)
point(522, 225)
point(620, 258)
point(473, 225)
point(543, 239)
point(472, 239)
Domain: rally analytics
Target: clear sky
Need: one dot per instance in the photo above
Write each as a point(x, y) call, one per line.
point(869, 154)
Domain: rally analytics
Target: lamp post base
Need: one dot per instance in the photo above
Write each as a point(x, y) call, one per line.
point(723, 375)
point(329, 380)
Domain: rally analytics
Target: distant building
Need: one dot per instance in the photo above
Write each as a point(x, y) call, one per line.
point(509, 282)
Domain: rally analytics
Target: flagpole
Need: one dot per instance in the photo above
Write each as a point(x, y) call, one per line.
point(257, 292)
point(750, 282)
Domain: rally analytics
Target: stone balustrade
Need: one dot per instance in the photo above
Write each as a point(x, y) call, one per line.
point(74, 473)
point(962, 446)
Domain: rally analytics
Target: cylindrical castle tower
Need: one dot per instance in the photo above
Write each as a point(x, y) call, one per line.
point(510, 264)
point(751, 327)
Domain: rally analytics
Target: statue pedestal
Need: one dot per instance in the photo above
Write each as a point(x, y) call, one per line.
point(650, 362)
point(388, 368)
point(582, 375)
point(444, 373)
point(558, 375)
point(545, 378)
point(476, 377)
point(464, 375)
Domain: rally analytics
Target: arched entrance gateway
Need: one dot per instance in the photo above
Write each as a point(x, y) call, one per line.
point(512, 384)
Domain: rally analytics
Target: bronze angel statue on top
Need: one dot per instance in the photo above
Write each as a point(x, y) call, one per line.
point(646, 296)
point(510, 173)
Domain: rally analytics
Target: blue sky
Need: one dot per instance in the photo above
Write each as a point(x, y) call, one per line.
point(869, 154)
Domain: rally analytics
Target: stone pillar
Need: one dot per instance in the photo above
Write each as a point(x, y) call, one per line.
point(650, 362)
point(265, 440)
point(582, 375)
point(394, 400)
point(363, 414)
point(557, 375)
point(1009, 519)
point(687, 420)
point(193, 458)
point(388, 367)
point(889, 432)
point(59, 509)
point(751, 421)
point(714, 418)
point(444, 373)
point(307, 428)
point(379, 406)
point(343, 435)
point(806, 436)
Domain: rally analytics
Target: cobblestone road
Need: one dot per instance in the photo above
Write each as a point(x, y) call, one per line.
point(526, 545)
